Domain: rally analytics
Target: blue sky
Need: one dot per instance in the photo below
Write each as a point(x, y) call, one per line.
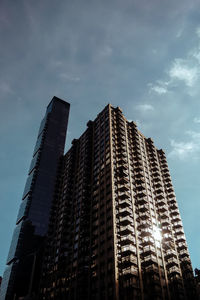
point(143, 56)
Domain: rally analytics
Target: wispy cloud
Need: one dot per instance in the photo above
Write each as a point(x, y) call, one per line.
point(160, 87)
point(69, 77)
point(182, 149)
point(187, 149)
point(145, 107)
point(181, 71)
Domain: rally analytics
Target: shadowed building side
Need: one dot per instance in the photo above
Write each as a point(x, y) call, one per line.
point(21, 277)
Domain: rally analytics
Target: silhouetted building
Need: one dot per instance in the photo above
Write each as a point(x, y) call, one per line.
point(197, 281)
point(115, 230)
point(21, 277)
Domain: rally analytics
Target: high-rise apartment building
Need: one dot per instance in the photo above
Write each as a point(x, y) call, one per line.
point(22, 275)
point(115, 231)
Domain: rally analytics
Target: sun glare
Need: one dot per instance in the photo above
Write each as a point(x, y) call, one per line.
point(157, 234)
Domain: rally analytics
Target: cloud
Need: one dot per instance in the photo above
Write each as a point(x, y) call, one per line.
point(181, 149)
point(69, 77)
point(189, 149)
point(145, 107)
point(196, 54)
point(160, 87)
point(181, 71)
point(196, 120)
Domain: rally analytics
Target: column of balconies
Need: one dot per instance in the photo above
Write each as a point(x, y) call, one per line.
point(127, 256)
point(170, 241)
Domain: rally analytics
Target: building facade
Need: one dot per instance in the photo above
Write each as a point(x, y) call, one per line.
point(21, 277)
point(115, 230)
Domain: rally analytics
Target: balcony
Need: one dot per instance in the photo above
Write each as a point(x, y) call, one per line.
point(171, 195)
point(147, 242)
point(180, 239)
point(128, 250)
point(154, 164)
point(124, 203)
point(172, 201)
point(175, 219)
point(127, 261)
point(126, 221)
point(127, 240)
point(155, 168)
point(122, 166)
point(165, 222)
point(148, 251)
point(171, 262)
point(169, 184)
point(173, 270)
point(143, 208)
point(170, 253)
point(144, 224)
point(143, 216)
point(124, 195)
point(181, 246)
point(122, 172)
point(139, 175)
point(173, 206)
point(123, 188)
point(163, 216)
point(169, 190)
point(125, 230)
point(149, 260)
point(142, 201)
point(160, 202)
point(122, 154)
point(167, 179)
point(166, 173)
point(130, 272)
point(157, 179)
point(158, 188)
point(162, 209)
point(179, 232)
point(174, 212)
point(184, 255)
point(140, 188)
point(139, 181)
point(140, 193)
point(123, 212)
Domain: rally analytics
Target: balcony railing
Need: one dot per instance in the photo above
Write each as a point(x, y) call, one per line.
point(125, 212)
point(126, 221)
point(124, 230)
point(127, 240)
point(171, 262)
point(130, 271)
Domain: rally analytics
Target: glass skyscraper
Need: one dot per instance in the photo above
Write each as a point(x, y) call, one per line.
point(21, 277)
